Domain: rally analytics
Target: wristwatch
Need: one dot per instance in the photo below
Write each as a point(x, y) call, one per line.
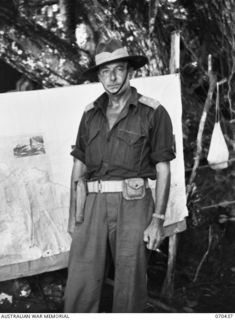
point(159, 216)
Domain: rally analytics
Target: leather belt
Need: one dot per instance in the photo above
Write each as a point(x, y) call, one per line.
point(108, 186)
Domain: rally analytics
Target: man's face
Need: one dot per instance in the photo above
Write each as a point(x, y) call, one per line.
point(112, 76)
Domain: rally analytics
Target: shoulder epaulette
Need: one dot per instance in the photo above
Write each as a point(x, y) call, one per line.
point(89, 106)
point(149, 102)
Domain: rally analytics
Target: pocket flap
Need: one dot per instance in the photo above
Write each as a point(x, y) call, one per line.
point(135, 183)
point(128, 137)
point(92, 135)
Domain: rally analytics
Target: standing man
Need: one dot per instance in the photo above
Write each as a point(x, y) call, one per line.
point(124, 138)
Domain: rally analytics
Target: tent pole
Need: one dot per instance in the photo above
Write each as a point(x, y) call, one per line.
point(168, 286)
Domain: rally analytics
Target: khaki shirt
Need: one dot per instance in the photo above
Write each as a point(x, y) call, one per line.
point(140, 138)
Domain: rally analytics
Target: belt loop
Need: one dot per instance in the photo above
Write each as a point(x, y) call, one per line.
point(146, 182)
point(99, 186)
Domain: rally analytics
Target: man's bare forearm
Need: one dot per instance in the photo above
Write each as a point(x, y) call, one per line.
point(154, 233)
point(163, 175)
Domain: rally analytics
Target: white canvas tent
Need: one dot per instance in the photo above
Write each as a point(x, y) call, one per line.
point(37, 130)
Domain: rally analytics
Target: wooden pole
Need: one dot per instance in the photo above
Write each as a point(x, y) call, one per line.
point(174, 64)
point(168, 286)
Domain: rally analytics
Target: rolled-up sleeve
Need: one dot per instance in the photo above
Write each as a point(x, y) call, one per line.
point(161, 136)
point(79, 149)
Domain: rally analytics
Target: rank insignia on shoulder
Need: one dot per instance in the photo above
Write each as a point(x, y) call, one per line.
point(89, 107)
point(149, 102)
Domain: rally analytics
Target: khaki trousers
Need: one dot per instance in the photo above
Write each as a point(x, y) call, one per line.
point(109, 217)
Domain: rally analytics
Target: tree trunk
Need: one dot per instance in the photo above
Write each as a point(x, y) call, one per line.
point(50, 61)
point(67, 20)
point(37, 53)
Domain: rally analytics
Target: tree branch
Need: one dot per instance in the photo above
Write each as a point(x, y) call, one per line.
point(207, 105)
point(210, 238)
point(38, 53)
point(153, 9)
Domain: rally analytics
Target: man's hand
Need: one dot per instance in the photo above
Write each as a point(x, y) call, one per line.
point(154, 234)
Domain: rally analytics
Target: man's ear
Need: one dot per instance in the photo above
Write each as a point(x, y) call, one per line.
point(98, 75)
point(131, 72)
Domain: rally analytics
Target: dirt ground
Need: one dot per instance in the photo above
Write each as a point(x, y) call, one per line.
point(213, 291)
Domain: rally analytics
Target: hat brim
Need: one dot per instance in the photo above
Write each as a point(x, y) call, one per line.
point(135, 61)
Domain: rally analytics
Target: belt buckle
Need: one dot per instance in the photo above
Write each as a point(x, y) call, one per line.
point(99, 186)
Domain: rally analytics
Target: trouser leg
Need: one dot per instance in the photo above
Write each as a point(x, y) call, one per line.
point(130, 285)
point(87, 258)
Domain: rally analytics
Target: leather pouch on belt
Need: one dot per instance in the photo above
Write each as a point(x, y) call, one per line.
point(133, 189)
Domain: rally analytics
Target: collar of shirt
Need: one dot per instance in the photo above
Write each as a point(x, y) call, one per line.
point(102, 102)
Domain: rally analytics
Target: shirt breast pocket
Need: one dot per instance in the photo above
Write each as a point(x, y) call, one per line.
point(130, 145)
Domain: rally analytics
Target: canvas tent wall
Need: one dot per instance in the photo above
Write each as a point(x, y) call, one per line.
point(37, 130)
